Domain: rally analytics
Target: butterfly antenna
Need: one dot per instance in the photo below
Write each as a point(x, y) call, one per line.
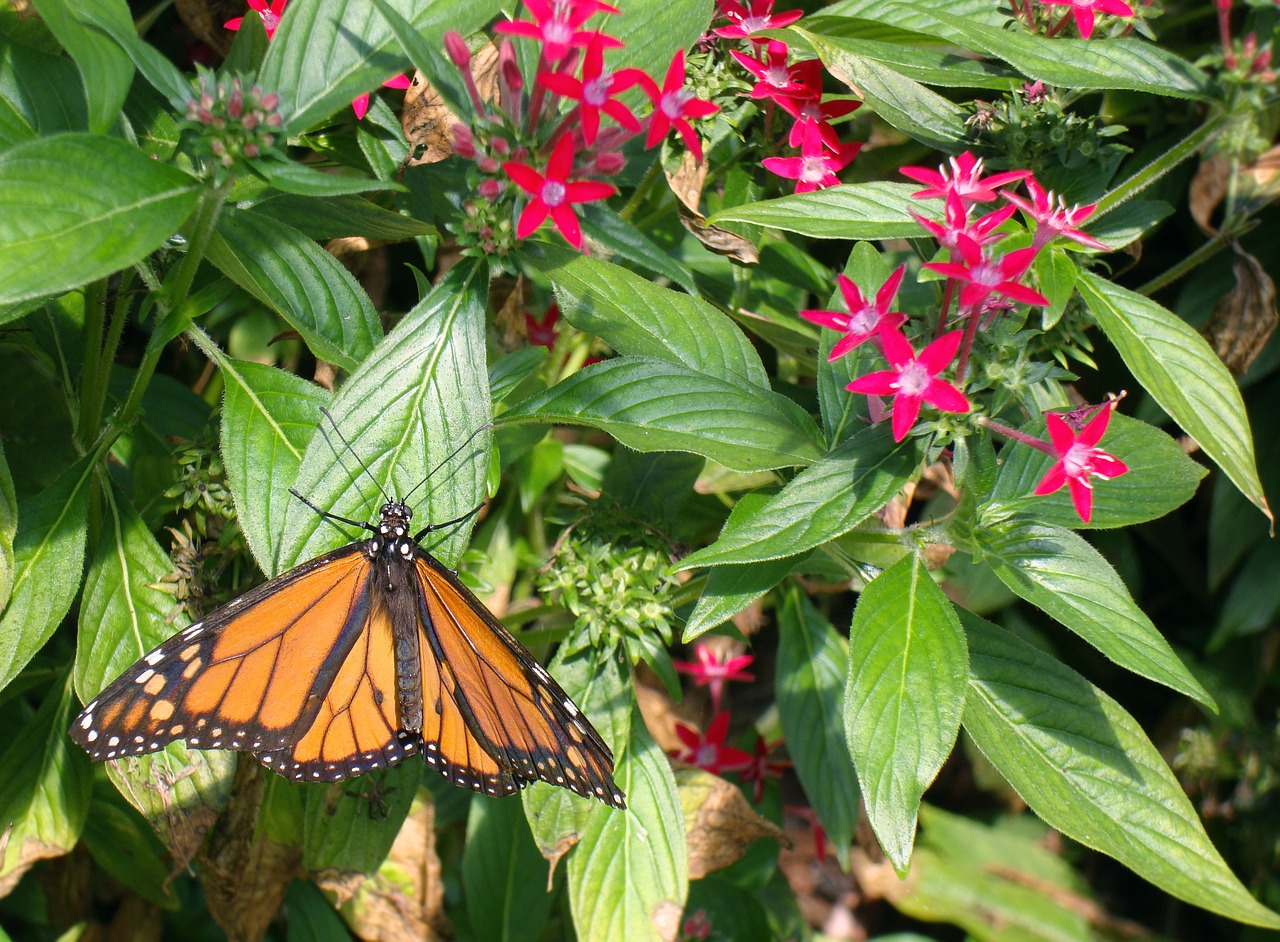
point(363, 467)
point(449, 457)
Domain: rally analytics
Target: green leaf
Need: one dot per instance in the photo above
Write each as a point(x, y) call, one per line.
point(1132, 64)
point(813, 664)
point(303, 180)
point(915, 17)
point(45, 783)
point(105, 69)
point(40, 94)
point(349, 827)
point(618, 236)
point(123, 844)
point(48, 554)
point(509, 371)
point(299, 280)
point(730, 589)
point(77, 207)
point(1161, 478)
point(8, 530)
point(1067, 579)
point(268, 416)
point(651, 405)
point(504, 878)
point(908, 667)
point(638, 318)
point(629, 875)
point(825, 500)
point(873, 211)
point(341, 216)
point(410, 406)
point(900, 101)
point(1182, 373)
point(324, 55)
point(1083, 764)
point(162, 74)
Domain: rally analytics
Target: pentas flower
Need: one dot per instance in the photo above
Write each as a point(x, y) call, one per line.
point(913, 380)
point(595, 90)
point(555, 24)
point(816, 167)
point(965, 180)
point(761, 769)
point(543, 333)
point(1052, 216)
point(554, 194)
point(1084, 11)
point(270, 15)
point(819, 832)
point(810, 112)
point(983, 276)
point(673, 106)
point(713, 670)
point(360, 104)
point(983, 230)
point(744, 22)
point(709, 751)
point(1078, 459)
point(865, 318)
point(776, 79)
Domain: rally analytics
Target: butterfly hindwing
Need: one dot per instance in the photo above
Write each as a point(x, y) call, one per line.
point(514, 712)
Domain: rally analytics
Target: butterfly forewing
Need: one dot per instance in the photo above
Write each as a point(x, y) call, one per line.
point(507, 700)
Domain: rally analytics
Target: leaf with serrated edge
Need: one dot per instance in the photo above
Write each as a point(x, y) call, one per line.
point(908, 667)
point(1182, 373)
point(730, 589)
point(812, 668)
point(1083, 764)
point(873, 211)
point(652, 405)
point(1057, 571)
point(822, 502)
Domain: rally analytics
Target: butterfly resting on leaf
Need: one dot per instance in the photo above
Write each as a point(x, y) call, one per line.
point(352, 662)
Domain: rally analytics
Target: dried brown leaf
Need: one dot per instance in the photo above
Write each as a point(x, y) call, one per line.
point(1244, 318)
point(428, 122)
point(719, 821)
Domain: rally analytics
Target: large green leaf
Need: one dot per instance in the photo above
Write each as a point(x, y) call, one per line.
point(812, 668)
point(105, 69)
point(1057, 571)
point(295, 277)
point(504, 878)
point(8, 530)
point(638, 318)
point(873, 211)
point(1182, 373)
point(324, 54)
point(730, 589)
point(908, 668)
point(45, 783)
point(48, 566)
point(417, 398)
point(1083, 764)
point(652, 405)
point(76, 207)
point(348, 827)
point(825, 500)
point(1161, 477)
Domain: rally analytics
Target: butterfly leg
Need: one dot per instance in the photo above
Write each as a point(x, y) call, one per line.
point(363, 525)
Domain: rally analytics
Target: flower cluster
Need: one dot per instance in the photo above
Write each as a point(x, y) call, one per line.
point(551, 136)
point(984, 281)
point(796, 89)
point(228, 123)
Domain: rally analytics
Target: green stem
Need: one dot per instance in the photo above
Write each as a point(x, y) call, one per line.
point(1211, 248)
point(94, 316)
point(1153, 171)
point(97, 379)
point(642, 189)
point(175, 290)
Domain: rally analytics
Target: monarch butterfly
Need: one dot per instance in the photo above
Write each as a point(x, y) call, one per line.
point(351, 662)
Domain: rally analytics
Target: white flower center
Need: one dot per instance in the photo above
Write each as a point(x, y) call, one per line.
point(553, 192)
point(914, 379)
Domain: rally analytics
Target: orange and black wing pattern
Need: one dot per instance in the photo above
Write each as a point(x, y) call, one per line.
point(299, 672)
point(494, 720)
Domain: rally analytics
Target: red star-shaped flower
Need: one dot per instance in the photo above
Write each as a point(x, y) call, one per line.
point(554, 194)
point(595, 90)
point(543, 333)
point(810, 112)
point(761, 769)
point(755, 16)
point(1084, 11)
point(673, 106)
point(983, 276)
point(709, 751)
point(816, 167)
point(555, 24)
point(1079, 460)
point(865, 318)
point(270, 15)
point(965, 179)
point(1052, 216)
point(913, 380)
point(713, 670)
point(983, 230)
point(777, 80)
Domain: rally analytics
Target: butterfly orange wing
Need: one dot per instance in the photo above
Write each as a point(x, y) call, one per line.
point(299, 672)
point(494, 719)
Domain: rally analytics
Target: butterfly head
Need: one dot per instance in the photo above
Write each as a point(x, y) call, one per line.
point(393, 531)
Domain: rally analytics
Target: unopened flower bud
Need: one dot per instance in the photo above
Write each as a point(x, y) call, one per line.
point(457, 49)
